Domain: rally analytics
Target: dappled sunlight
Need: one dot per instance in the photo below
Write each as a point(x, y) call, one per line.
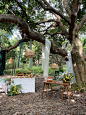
point(74, 64)
point(75, 97)
point(78, 95)
point(14, 99)
point(80, 45)
point(72, 100)
point(2, 95)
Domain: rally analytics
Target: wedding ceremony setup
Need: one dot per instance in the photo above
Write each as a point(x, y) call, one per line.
point(27, 81)
point(42, 57)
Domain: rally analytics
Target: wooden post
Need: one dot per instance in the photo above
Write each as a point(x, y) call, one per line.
point(31, 59)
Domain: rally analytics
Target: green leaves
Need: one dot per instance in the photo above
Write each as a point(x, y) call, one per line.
point(84, 42)
point(52, 31)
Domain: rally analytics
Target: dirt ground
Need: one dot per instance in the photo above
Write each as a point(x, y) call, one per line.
point(33, 104)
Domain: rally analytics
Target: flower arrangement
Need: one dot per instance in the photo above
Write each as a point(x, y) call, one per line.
point(14, 90)
point(67, 77)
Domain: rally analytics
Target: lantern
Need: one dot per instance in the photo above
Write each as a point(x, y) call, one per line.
point(10, 60)
point(53, 66)
point(29, 53)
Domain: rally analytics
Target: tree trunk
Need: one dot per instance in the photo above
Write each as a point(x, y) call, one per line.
point(61, 67)
point(79, 65)
point(60, 63)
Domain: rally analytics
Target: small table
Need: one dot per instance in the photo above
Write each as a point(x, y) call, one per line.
point(46, 88)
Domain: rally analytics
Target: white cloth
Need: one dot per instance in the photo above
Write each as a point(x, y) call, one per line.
point(4, 86)
point(28, 84)
point(45, 57)
point(69, 67)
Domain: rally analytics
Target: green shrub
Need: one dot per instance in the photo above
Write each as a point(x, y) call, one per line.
point(7, 79)
point(21, 70)
point(35, 69)
point(9, 66)
point(8, 72)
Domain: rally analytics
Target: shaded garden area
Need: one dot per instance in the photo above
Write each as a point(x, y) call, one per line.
point(52, 29)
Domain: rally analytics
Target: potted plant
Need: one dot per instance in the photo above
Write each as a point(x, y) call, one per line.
point(67, 77)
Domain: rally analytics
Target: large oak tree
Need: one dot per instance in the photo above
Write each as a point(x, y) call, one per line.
point(68, 20)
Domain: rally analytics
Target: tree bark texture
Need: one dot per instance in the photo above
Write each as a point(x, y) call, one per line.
point(79, 65)
point(60, 67)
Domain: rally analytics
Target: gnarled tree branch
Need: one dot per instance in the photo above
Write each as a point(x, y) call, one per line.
point(66, 8)
point(75, 9)
point(17, 43)
point(51, 9)
point(30, 34)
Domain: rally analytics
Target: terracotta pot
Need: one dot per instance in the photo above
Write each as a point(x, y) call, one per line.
point(49, 79)
point(19, 74)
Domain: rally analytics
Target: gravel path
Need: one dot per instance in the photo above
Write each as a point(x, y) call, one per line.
point(33, 104)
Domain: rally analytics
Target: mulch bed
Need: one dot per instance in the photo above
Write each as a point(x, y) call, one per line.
point(33, 104)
